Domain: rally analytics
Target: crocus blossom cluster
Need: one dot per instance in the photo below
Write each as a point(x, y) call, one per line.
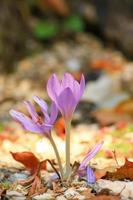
point(65, 95)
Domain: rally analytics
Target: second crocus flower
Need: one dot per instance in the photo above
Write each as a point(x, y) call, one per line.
point(39, 124)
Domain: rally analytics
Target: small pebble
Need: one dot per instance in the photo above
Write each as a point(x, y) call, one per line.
point(124, 188)
point(44, 196)
point(61, 197)
point(70, 193)
point(17, 176)
point(14, 195)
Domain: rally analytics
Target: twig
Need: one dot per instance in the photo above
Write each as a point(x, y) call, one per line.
point(54, 168)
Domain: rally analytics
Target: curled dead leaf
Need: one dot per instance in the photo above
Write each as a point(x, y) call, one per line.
point(124, 172)
point(105, 197)
point(28, 159)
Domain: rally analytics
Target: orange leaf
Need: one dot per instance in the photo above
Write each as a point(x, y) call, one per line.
point(28, 159)
point(60, 127)
point(31, 162)
point(59, 6)
point(107, 65)
point(124, 172)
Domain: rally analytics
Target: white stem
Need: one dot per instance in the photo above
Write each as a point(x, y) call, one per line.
point(57, 156)
point(67, 133)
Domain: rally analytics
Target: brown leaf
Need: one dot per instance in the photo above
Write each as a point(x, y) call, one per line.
point(36, 185)
point(87, 193)
point(31, 162)
point(124, 172)
point(28, 159)
point(105, 197)
point(100, 173)
point(108, 117)
point(125, 107)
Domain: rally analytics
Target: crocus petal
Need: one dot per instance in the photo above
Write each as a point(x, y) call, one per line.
point(45, 128)
point(67, 103)
point(41, 103)
point(82, 172)
point(54, 113)
point(43, 106)
point(67, 81)
point(90, 175)
point(25, 121)
point(76, 90)
point(53, 87)
point(90, 155)
point(82, 85)
point(31, 110)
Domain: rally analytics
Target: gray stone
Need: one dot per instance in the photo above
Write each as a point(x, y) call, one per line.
point(14, 195)
point(45, 196)
point(61, 197)
point(124, 188)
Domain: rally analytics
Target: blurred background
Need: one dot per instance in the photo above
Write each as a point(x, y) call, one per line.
point(94, 37)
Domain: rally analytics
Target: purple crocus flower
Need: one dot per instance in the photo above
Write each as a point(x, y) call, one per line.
point(84, 168)
point(65, 93)
point(36, 123)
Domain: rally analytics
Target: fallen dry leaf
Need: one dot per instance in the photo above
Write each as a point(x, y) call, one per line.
point(107, 64)
point(105, 197)
point(125, 107)
point(28, 159)
point(87, 193)
point(31, 162)
point(100, 173)
point(36, 186)
point(124, 172)
point(109, 117)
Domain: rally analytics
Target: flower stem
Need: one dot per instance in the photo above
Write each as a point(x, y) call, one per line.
point(57, 156)
point(67, 133)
